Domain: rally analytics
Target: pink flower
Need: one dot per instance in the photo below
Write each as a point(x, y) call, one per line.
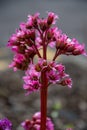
point(33, 20)
point(54, 72)
point(56, 75)
point(68, 46)
point(66, 82)
point(79, 49)
point(51, 19)
point(43, 24)
point(31, 86)
point(19, 62)
point(63, 44)
point(31, 80)
point(52, 76)
point(35, 123)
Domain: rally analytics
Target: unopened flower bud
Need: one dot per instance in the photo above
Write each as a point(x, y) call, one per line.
point(51, 18)
point(67, 82)
point(43, 24)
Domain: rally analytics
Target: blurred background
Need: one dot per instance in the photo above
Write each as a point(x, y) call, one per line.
point(67, 108)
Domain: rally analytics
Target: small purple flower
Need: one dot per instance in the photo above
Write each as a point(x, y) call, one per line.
point(34, 124)
point(5, 124)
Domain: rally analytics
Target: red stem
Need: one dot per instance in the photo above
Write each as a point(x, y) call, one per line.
point(43, 100)
point(44, 46)
point(44, 81)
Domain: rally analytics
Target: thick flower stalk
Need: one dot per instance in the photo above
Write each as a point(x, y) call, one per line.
point(32, 36)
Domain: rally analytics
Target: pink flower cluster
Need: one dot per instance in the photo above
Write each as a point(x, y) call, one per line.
point(63, 44)
point(34, 124)
point(36, 33)
point(31, 80)
point(54, 72)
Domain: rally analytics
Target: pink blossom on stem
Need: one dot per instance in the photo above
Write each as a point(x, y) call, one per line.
point(51, 18)
point(66, 82)
point(19, 62)
point(31, 80)
point(68, 46)
point(43, 24)
point(55, 74)
point(33, 20)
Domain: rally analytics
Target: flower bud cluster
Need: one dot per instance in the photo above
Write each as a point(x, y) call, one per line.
point(69, 46)
point(63, 44)
point(55, 74)
point(34, 34)
point(32, 80)
point(34, 124)
point(22, 44)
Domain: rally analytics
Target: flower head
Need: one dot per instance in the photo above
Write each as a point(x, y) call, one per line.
point(55, 74)
point(36, 33)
